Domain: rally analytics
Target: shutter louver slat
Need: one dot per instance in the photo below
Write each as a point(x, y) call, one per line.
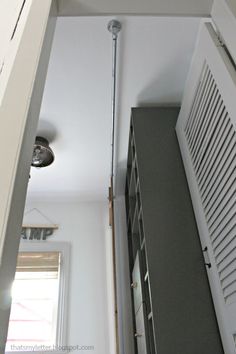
point(218, 174)
point(217, 111)
point(225, 272)
point(212, 106)
point(214, 147)
point(228, 278)
point(218, 192)
point(195, 105)
point(214, 168)
point(200, 114)
point(228, 194)
point(226, 250)
point(220, 244)
point(223, 222)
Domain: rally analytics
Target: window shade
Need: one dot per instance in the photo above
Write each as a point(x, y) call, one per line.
point(38, 262)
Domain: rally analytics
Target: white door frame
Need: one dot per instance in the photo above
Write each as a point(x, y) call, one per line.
point(19, 111)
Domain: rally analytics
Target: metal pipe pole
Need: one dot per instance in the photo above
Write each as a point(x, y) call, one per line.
point(114, 27)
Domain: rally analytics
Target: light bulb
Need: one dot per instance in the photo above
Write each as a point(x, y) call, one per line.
point(37, 156)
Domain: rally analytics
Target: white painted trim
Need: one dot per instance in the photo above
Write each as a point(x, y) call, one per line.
point(12, 45)
point(224, 17)
point(16, 100)
point(9, 12)
point(62, 318)
point(18, 123)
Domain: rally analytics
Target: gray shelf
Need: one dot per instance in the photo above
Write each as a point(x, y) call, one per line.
point(178, 312)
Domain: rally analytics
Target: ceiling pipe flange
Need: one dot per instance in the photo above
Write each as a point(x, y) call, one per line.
point(114, 27)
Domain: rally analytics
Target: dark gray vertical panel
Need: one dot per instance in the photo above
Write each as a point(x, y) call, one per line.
point(181, 305)
point(126, 330)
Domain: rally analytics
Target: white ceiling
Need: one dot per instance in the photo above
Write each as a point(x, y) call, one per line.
point(154, 58)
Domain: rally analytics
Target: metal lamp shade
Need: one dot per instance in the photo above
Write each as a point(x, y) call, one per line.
point(42, 155)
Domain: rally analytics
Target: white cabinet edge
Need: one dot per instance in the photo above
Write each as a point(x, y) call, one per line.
point(224, 17)
point(16, 99)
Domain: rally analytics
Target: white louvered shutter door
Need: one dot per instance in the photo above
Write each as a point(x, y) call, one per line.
point(206, 131)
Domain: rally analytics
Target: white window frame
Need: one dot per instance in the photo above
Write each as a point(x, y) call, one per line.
point(62, 311)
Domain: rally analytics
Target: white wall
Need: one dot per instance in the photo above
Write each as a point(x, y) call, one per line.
point(85, 227)
point(150, 7)
point(154, 55)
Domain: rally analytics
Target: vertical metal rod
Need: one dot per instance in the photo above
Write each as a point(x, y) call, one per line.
point(114, 27)
point(113, 106)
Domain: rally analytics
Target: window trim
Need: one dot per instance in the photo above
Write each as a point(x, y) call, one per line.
point(62, 317)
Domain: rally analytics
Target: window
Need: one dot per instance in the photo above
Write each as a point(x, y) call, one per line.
point(37, 320)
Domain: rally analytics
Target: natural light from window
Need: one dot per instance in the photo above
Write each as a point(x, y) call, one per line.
point(33, 319)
